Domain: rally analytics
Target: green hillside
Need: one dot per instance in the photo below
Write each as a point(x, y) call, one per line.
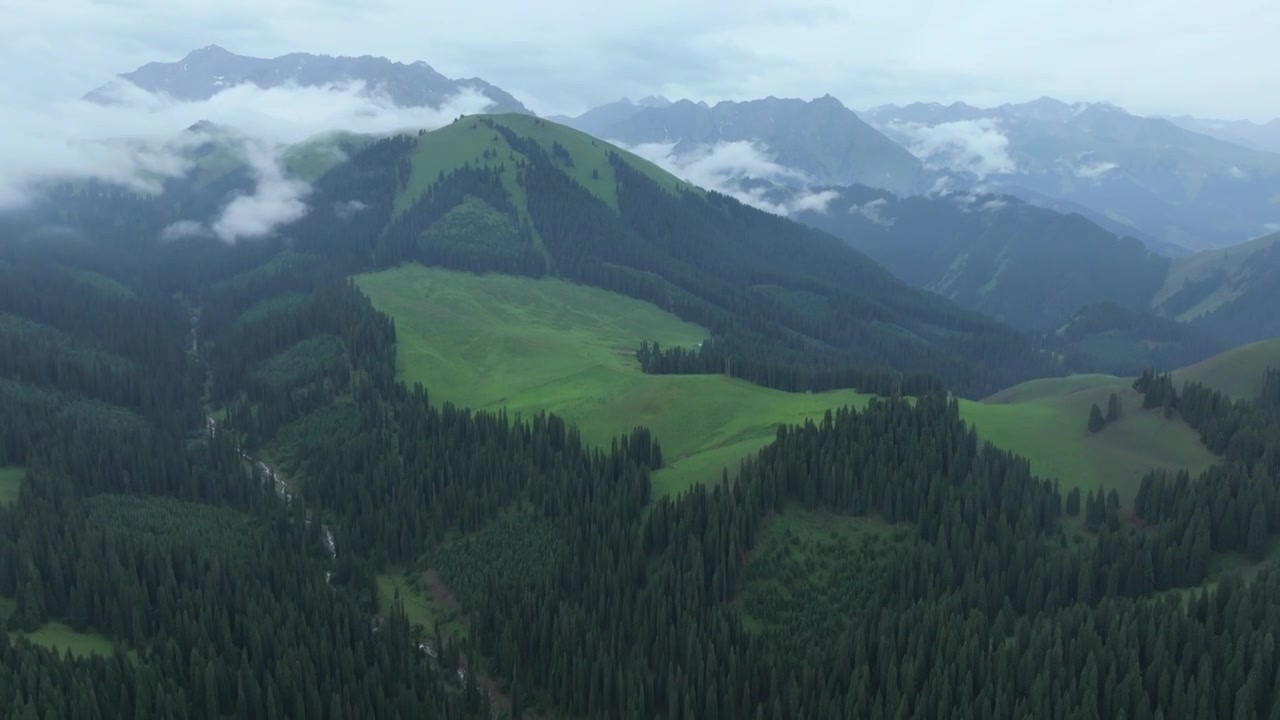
point(470, 142)
point(497, 341)
point(10, 483)
point(1238, 373)
point(1046, 421)
point(551, 345)
point(523, 196)
point(1201, 283)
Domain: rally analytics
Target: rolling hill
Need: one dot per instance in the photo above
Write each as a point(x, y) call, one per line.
point(549, 345)
point(558, 347)
point(521, 195)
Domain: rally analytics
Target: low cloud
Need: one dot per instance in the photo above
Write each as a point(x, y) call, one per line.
point(724, 168)
point(345, 210)
point(184, 229)
point(972, 146)
point(1095, 170)
point(276, 200)
point(871, 210)
point(139, 140)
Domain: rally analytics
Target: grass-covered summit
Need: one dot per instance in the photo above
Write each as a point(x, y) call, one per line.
point(521, 195)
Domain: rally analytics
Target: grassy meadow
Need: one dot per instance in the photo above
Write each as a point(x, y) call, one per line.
point(529, 345)
point(497, 341)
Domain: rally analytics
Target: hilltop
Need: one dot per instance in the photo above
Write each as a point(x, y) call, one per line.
point(521, 195)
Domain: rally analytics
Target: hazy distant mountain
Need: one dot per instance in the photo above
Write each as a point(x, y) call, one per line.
point(1026, 265)
point(1264, 136)
point(1232, 292)
point(1171, 183)
point(601, 119)
point(205, 72)
point(821, 138)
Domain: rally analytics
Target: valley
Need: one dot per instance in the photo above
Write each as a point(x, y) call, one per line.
point(482, 416)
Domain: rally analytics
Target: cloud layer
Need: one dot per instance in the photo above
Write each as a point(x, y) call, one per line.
point(142, 140)
point(1173, 56)
point(974, 146)
point(724, 167)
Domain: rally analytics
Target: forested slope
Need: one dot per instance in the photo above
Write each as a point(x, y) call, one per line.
point(543, 199)
point(581, 593)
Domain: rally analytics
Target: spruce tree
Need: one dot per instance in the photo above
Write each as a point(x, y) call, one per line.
point(1095, 418)
point(1257, 539)
point(1113, 408)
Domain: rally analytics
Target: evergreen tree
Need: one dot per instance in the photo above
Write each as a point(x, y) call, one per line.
point(1113, 408)
point(1095, 418)
point(1258, 533)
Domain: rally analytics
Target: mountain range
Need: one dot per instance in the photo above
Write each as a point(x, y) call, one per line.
point(1172, 183)
point(209, 70)
point(986, 209)
point(1259, 136)
point(821, 140)
point(1045, 271)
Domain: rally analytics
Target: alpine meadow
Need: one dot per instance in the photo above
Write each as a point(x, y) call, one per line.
point(375, 393)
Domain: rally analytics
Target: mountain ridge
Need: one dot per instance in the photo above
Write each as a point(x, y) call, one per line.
point(206, 71)
point(792, 130)
point(1174, 184)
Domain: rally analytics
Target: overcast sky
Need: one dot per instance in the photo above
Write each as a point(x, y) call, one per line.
point(1212, 59)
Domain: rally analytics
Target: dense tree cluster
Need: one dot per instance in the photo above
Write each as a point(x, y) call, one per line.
point(173, 548)
point(582, 594)
point(759, 366)
point(1235, 506)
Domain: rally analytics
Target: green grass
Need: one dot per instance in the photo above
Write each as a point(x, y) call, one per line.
point(419, 606)
point(1046, 421)
point(60, 637)
point(10, 483)
point(495, 341)
point(465, 141)
point(1238, 372)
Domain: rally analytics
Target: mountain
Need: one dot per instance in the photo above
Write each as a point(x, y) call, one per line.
point(1022, 264)
point(207, 71)
point(1259, 136)
point(821, 138)
point(600, 119)
point(1176, 185)
point(1231, 293)
point(1109, 302)
point(253, 452)
point(550, 199)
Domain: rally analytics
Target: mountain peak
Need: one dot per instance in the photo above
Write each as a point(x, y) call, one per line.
point(652, 101)
point(209, 52)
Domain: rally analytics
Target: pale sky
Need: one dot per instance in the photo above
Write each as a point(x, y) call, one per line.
point(1213, 59)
